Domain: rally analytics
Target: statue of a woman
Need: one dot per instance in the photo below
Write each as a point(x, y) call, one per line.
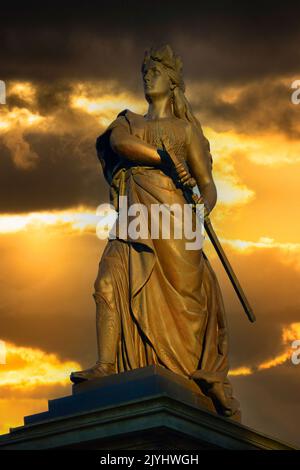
point(156, 301)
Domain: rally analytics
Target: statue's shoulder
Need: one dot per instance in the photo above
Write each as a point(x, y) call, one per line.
point(130, 115)
point(125, 118)
point(128, 112)
point(122, 119)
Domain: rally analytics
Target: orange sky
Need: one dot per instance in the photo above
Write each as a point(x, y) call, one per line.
point(50, 255)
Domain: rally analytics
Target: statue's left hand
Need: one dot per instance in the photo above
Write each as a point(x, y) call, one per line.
point(200, 200)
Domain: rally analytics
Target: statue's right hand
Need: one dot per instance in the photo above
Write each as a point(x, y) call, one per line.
point(179, 166)
point(166, 160)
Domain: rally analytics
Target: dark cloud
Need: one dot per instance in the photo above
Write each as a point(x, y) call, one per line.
point(221, 45)
point(58, 180)
point(65, 333)
point(261, 106)
point(263, 407)
point(270, 286)
point(222, 40)
point(54, 165)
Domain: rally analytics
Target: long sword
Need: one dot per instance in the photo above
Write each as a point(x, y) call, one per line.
point(191, 188)
point(226, 264)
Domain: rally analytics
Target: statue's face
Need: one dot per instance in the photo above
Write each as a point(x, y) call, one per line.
point(156, 81)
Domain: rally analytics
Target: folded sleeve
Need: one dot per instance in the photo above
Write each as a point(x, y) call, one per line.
point(107, 157)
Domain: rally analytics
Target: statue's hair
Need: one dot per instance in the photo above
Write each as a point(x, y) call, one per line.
point(173, 66)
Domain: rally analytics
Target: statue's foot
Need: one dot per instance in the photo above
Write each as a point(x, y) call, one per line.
point(214, 384)
point(100, 369)
point(227, 406)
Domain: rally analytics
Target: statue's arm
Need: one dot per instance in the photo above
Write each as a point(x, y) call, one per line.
point(200, 164)
point(132, 148)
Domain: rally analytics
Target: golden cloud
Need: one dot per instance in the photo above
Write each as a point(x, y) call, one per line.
point(27, 368)
point(103, 100)
point(240, 371)
point(23, 90)
point(26, 380)
point(263, 242)
point(289, 334)
point(14, 122)
point(82, 220)
point(265, 149)
point(79, 219)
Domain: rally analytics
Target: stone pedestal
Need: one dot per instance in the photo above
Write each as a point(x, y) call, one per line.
point(149, 408)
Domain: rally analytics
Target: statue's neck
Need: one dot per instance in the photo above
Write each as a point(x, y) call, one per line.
point(160, 108)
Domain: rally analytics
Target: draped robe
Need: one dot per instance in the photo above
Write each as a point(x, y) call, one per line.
point(164, 300)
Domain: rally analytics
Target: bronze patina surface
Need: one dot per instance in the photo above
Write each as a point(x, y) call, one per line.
point(156, 301)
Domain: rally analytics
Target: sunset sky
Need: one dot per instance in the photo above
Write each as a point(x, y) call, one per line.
point(69, 71)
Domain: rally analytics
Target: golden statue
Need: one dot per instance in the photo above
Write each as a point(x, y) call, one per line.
point(156, 301)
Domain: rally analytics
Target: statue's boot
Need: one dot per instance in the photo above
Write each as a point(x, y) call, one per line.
point(100, 369)
point(108, 331)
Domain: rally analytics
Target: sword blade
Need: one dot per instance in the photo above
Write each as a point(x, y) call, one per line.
point(226, 264)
